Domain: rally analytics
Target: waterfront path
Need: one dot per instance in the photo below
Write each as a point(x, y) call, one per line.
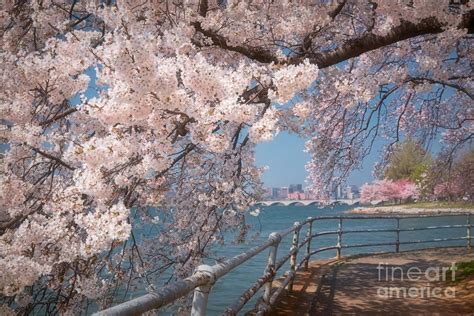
point(373, 285)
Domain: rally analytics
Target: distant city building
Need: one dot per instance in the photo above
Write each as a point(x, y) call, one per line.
point(352, 192)
point(296, 192)
point(275, 193)
point(292, 188)
point(296, 196)
point(349, 193)
point(336, 192)
point(284, 192)
point(295, 188)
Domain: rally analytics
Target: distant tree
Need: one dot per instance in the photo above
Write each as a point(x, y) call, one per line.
point(368, 193)
point(448, 190)
point(409, 160)
point(465, 171)
point(453, 183)
point(388, 190)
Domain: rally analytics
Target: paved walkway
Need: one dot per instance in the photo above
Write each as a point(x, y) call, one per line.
point(373, 285)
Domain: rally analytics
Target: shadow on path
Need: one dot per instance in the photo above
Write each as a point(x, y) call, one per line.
point(322, 302)
point(379, 284)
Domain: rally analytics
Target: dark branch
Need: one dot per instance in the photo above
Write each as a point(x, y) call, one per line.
point(357, 47)
point(338, 9)
point(258, 54)
point(51, 157)
point(350, 49)
point(58, 116)
point(203, 6)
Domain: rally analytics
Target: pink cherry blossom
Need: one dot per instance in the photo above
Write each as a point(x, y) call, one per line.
point(388, 190)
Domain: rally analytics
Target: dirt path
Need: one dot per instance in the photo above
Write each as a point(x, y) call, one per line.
point(374, 285)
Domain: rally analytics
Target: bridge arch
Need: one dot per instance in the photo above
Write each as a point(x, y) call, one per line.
point(277, 203)
point(294, 203)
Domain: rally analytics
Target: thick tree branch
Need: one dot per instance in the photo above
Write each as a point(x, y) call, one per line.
point(203, 6)
point(337, 10)
point(18, 220)
point(51, 157)
point(58, 117)
point(350, 49)
point(369, 42)
point(255, 53)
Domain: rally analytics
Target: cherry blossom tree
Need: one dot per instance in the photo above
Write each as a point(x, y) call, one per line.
point(407, 190)
point(447, 180)
point(107, 106)
point(387, 190)
point(368, 193)
point(448, 190)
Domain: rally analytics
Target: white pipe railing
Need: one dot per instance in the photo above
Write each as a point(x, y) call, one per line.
point(203, 279)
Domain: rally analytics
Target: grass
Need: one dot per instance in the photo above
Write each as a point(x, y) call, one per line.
point(441, 204)
point(430, 205)
point(464, 271)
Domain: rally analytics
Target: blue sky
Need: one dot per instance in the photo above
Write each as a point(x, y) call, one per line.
point(285, 157)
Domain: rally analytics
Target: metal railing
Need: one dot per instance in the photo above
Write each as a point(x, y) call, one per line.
point(205, 276)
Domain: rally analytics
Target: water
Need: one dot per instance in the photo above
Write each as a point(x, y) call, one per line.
point(279, 218)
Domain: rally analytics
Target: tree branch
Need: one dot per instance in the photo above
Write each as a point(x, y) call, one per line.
point(203, 6)
point(350, 49)
point(258, 54)
point(59, 116)
point(51, 157)
point(404, 31)
point(444, 83)
point(337, 10)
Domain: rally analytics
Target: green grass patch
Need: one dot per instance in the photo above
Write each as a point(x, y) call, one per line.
point(441, 204)
point(468, 205)
point(464, 271)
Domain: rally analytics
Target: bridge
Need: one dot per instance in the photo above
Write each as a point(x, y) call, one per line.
point(308, 202)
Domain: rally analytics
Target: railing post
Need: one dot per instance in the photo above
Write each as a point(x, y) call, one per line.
point(309, 234)
point(468, 231)
point(294, 247)
point(397, 244)
point(201, 293)
point(271, 266)
point(339, 239)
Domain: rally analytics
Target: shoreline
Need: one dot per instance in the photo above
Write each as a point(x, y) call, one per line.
point(401, 209)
